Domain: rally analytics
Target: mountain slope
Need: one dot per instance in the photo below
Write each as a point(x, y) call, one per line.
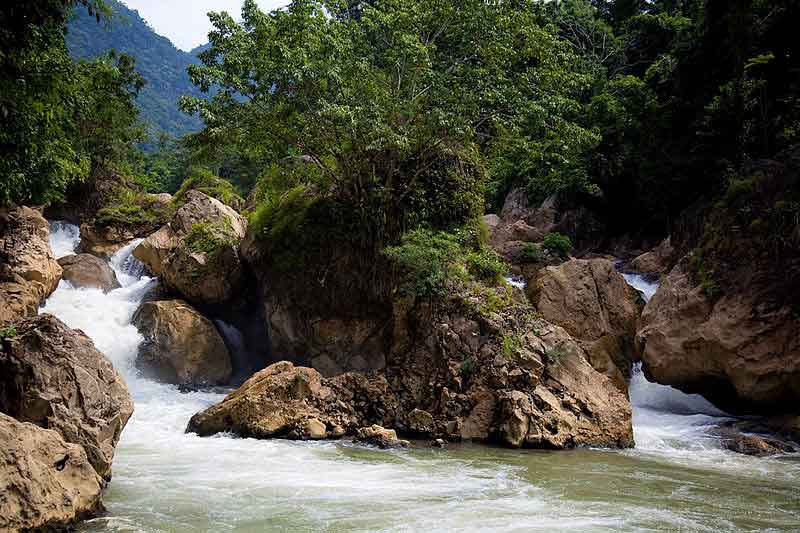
point(157, 59)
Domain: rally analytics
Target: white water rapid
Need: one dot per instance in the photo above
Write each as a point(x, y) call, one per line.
point(166, 480)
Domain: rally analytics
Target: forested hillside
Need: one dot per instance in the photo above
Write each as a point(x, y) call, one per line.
point(161, 64)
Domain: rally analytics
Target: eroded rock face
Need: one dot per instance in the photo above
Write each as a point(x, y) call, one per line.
point(28, 271)
point(52, 376)
point(181, 345)
point(592, 301)
point(105, 241)
point(86, 270)
point(657, 262)
point(45, 482)
point(737, 351)
point(197, 253)
point(510, 378)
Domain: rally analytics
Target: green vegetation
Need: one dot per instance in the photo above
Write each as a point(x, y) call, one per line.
point(8, 332)
point(531, 253)
point(468, 366)
point(209, 238)
point(201, 179)
point(511, 346)
point(557, 244)
point(62, 119)
point(157, 60)
point(129, 207)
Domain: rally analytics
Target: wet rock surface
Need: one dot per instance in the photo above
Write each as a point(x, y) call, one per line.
point(54, 377)
point(86, 270)
point(181, 346)
point(737, 351)
point(45, 482)
point(29, 272)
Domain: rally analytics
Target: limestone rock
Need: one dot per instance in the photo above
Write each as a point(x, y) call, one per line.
point(45, 482)
point(592, 301)
point(53, 376)
point(381, 437)
point(105, 241)
point(197, 253)
point(736, 351)
point(657, 261)
point(28, 271)
point(86, 270)
point(295, 402)
point(181, 346)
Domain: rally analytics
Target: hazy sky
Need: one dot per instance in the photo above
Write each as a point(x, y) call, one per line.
point(185, 22)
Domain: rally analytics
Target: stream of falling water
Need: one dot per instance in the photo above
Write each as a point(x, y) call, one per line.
point(677, 477)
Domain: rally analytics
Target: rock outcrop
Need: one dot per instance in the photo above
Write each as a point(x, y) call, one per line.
point(86, 270)
point(451, 372)
point(28, 271)
point(181, 346)
point(736, 350)
point(52, 376)
point(592, 301)
point(45, 482)
point(197, 253)
point(381, 437)
point(657, 262)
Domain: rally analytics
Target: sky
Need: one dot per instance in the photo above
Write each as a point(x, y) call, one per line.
point(185, 22)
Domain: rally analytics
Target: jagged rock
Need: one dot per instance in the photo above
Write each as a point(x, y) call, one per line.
point(737, 351)
point(181, 346)
point(53, 376)
point(295, 402)
point(657, 262)
point(197, 253)
point(592, 301)
point(381, 437)
point(28, 271)
point(86, 270)
point(520, 223)
point(105, 241)
point(736, 438)
point(44, 482)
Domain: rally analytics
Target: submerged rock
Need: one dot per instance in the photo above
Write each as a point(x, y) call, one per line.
point(592, 301)
point(381, 437)
point(45, 482)
point(28, 271)
point(197, 253)
point(54, 377)
point(737, 351)
point(749, 438)
point(86, 270)
point(181, 346)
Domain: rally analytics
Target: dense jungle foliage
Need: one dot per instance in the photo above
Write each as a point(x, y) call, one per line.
point(394, 115)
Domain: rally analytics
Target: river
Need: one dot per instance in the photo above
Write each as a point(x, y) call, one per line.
point(677, 476)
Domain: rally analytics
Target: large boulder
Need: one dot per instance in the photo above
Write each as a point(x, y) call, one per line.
point(28, 271)
point(595, 304)
point(736, 350)
point(54, 377)
point(45, 482)
point(296, 402)
point(86, 270)
point(181, 346)
point(197, 253)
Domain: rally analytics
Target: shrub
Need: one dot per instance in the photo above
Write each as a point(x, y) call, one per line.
point(486, 265)
point(130, 207)
point(429, 259)
point(203, 180)
point(558, 244)
point(531, 253)
point(511, 346)
point(469, 366)
point(208, 238)
point(8, 332)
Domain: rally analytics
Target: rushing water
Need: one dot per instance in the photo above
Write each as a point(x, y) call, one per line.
point(677, 477)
